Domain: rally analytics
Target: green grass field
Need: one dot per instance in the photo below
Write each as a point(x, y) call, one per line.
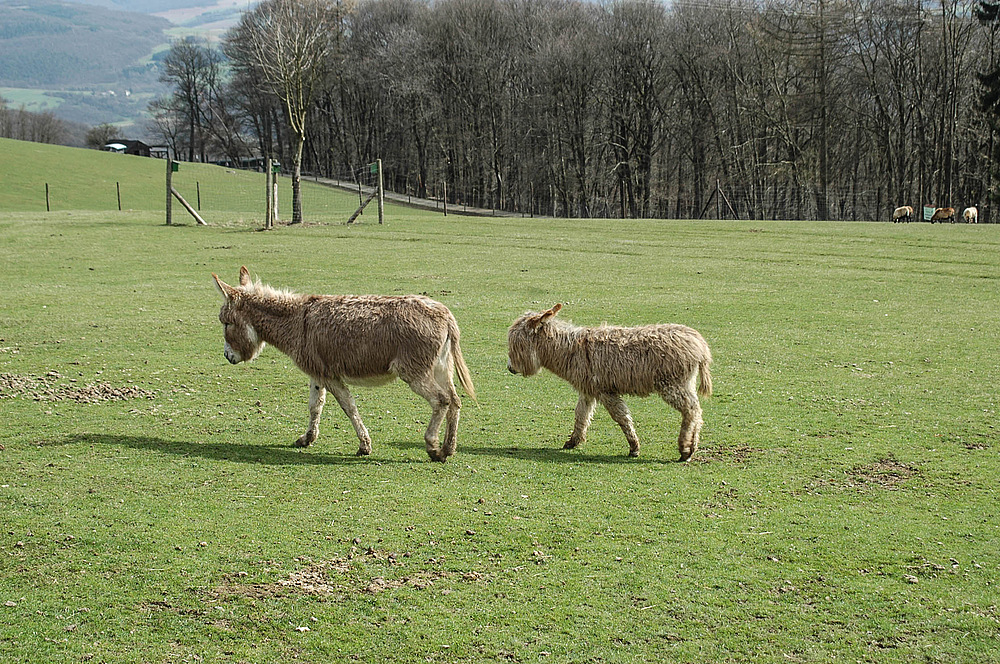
point(81, 180)
point(32, 100)
point(842, 506)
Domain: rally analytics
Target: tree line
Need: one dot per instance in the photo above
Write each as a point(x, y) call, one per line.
point(24, 125)
point(756, 109)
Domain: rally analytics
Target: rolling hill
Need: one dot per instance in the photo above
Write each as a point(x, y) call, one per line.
point(143, 6)
point(92, 62)
point(55, 44)
point(77, 179)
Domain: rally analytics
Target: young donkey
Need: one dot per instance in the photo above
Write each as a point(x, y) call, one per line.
point(603, 363)
point(357, 339)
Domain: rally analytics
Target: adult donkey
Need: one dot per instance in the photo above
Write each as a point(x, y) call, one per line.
point(353, 339)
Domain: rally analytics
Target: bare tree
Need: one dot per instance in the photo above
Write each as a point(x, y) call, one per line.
point(101, 135)
point(637, 67)
point(191, 68)
point(287, 47)
point(24, 125)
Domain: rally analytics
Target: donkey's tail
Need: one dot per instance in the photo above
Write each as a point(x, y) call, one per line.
point(464, 377)
point(705, 378)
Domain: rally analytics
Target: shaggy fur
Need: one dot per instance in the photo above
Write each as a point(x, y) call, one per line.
point(943, 214)
point(902, 213)
point(353, 339)
point(603, 363)
point(971, 215)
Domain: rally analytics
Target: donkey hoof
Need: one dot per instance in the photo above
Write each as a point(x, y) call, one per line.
point(632, 454)
point(571, 444)
point(304, 440)
point(684, 458)
point(362, 452)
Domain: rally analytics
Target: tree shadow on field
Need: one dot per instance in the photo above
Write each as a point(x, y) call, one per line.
point(271, 455)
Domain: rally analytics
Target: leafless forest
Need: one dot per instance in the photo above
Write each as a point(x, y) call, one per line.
point(768, 109)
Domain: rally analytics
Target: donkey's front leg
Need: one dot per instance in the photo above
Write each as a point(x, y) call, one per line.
point(317, 397)
point(346, 401)
point(619, 413)
point(584, 413)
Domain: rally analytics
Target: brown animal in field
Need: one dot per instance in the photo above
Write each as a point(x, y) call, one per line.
point(353, 339)
point(603, 363)
point(942, 214)
point(971, 215)
point(902, 213)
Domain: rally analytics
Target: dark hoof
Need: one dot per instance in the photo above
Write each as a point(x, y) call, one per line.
point(304, 441)
point(570, 445)
point(633, 454)
point(362, 452)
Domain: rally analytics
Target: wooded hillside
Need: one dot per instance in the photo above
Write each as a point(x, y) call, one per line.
point(53, 44)
point(145, 6)
point(801, 109)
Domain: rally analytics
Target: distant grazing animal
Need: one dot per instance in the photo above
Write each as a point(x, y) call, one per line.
point(603, 363)
point(358, 339)
point(941, 214)
point(903, 213)
point(971, 215)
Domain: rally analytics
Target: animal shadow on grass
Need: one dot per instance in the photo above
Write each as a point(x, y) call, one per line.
point(272, 455)
point(556, 455)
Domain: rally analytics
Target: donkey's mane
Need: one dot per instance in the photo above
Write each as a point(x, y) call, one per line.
point(568, 327)
point(269, 292)
point(564, 326)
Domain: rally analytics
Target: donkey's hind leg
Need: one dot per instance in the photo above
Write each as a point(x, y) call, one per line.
point(685, 399)
point(317, 397)
point(452, 416)
point(444, 402)
point(346, 401)
point(437, 386)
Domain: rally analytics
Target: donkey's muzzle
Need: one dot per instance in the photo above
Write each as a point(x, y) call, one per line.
point(230, 355)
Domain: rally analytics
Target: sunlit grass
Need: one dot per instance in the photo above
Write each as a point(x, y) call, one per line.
point(841, 507)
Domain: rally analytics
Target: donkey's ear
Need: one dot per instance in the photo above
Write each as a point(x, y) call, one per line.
point(244, 276)
point(550, 313)
point(536, 320)
point(224, 289)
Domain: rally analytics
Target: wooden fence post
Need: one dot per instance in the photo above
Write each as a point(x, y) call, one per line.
point(267, 193)
point(381, 193)
point(274, 193)
point(170, 187)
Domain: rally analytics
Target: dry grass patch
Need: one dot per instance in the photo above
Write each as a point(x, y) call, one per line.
point(54, 387)
point(886, 474)
point(343, 577)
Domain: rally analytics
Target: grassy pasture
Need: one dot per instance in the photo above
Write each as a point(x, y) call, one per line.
point(841, 507)
point(31, 99)
point(91, 180)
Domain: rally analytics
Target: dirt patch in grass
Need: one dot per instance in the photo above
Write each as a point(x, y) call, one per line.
point(342, 577)
point(734, 454)
point(54, 387)
point(886, 474)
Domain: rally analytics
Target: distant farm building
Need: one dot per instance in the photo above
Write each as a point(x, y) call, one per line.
point(128, 147)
